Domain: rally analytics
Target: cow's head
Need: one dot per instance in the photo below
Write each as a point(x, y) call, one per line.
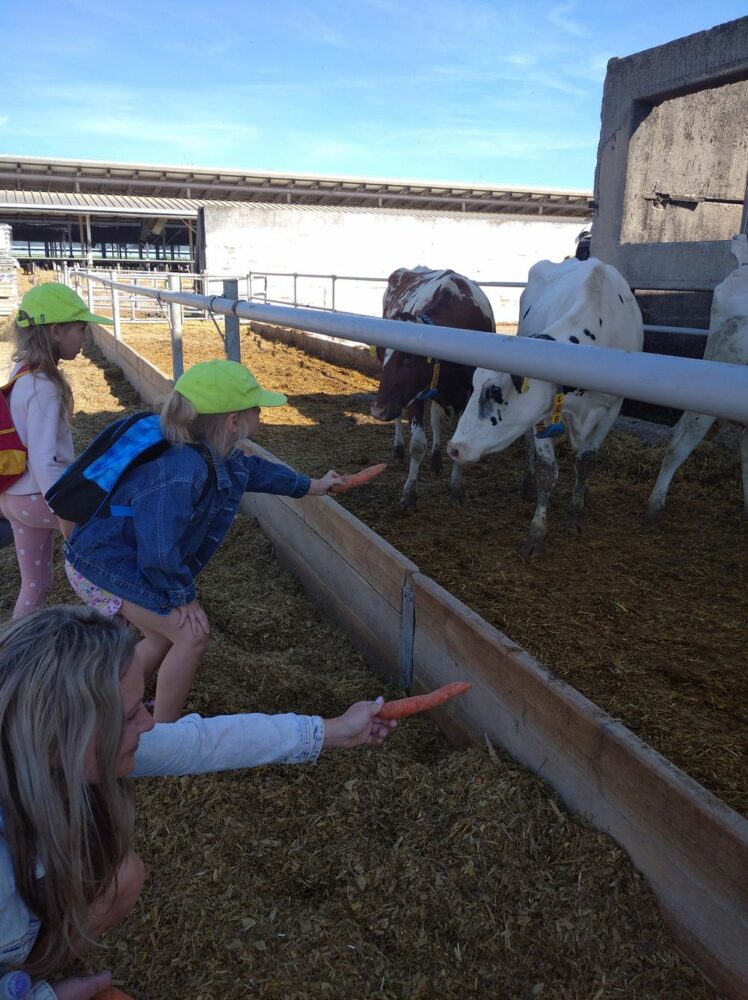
point(500, 410)
point(404, 376)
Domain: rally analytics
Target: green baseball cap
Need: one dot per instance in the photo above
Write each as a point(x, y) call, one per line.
point(55, 303)
point(224, 387)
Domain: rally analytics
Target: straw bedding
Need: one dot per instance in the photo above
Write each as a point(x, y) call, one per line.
point(415, 870)
point(650, 625)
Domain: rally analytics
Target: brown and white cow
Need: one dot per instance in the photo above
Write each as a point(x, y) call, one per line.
point(583, 302)
point(440, 298)
point(727, 341)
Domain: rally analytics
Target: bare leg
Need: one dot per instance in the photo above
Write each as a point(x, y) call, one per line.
point(112, 908)
point(179, 665)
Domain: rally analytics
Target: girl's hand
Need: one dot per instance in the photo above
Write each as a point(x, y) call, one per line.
point(321, 487)
point(82, 987)
point(193, 615)
point(357, 727)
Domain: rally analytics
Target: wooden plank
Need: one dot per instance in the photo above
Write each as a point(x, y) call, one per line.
point(372, 624)
point(371, 556)
point(691, 847)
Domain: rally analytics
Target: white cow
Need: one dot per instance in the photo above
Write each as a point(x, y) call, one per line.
point(727, 341)
point(574, 302)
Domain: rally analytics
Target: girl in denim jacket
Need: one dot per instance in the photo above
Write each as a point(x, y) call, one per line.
point(169, 515)
point(74, 729)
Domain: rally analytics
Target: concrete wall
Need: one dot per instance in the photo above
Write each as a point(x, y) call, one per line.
point(373, 243)
point(670, 184)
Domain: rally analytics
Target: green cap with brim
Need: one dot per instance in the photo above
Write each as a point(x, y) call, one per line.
point(55, 303)
point(224, 387)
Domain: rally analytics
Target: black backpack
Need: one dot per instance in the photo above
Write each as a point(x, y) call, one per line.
point(83, 490)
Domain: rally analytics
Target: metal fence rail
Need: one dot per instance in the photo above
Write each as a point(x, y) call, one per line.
point(710, 387)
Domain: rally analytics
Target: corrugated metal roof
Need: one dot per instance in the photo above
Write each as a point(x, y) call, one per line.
point(204, 183)
point(99, 204)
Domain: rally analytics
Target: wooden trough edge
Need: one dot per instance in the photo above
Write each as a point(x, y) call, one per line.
point(690, 846)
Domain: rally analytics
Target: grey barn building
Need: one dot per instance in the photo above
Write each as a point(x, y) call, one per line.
point(672, 170)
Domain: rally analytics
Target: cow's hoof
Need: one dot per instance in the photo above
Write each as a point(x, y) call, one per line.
point(576, 525)
point(653, 517)
point(407, 505)
point(399, 453)
point(436, 462)
point(457, 498)
point(532, 548)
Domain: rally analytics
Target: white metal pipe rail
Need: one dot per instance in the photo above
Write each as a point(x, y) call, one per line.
point(711, 387)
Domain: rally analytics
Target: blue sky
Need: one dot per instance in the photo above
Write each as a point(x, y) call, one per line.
point(504, 93)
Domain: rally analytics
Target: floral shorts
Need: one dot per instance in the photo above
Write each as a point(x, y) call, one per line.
point(108, 604)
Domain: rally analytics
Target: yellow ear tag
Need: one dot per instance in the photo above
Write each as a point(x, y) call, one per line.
point(557, 408)
point(525, 385)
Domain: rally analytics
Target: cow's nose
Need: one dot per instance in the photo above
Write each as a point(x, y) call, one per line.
point(453, 452)
point(377, 410)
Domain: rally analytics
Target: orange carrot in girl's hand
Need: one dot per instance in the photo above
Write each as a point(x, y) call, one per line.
point(359, 478)
point(111, 993)
point(403, 707)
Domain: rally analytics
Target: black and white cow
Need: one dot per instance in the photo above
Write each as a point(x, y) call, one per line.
point(727, 341)
point(408, 381)
point(575, 302)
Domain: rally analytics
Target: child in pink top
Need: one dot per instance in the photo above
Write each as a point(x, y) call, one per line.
point(49, 327)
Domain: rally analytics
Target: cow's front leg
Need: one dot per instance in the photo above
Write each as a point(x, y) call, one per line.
point(744, 465)
point(528, 490)
point(546, 474)
point(398, 445)
point(436, 439)
point(587, 444)
point(456, 495)
point(417, 452)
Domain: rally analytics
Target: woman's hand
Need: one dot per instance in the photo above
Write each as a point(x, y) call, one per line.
point(193, 615)
point(357, 727)
point(82, 987)
point(321, 487)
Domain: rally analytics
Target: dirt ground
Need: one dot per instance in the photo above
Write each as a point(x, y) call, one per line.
point(411, 871)
point(650, 625)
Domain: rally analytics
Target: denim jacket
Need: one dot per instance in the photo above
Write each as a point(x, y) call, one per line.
point(190, 746)
point(169, 516)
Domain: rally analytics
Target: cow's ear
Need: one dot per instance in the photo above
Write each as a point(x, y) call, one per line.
point(518, 382)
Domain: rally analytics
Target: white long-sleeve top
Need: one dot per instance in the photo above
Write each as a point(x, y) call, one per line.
point(35, 409)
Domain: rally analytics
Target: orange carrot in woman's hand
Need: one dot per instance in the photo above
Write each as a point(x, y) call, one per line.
point(421, 702)
point(359, 478)
point(111, 993)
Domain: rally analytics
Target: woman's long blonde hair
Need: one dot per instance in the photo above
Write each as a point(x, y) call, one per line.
point(34, 347)
point(182, 424)
point(60, 671)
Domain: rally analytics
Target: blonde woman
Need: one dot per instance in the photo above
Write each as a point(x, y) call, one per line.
point(74, 729)
point(49, 327)
point(167, 516)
